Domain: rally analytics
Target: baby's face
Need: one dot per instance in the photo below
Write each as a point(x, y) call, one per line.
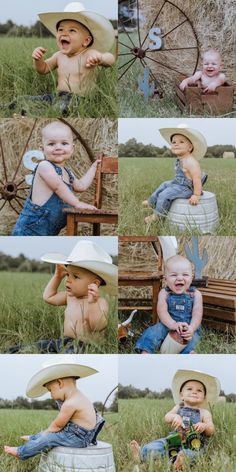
point(72, 37)
point(78, 280)
point(54, 389)
point(192, 393)
point(178, 275)
point(58, 144)
point(181, 146)
point(211, 64)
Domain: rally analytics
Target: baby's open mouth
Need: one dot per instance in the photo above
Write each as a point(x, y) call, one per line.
point(179, 284)
point(64, 42)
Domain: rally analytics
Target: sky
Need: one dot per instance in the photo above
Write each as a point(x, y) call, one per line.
point(156, 371)
point(25, 12)
point(34, 247)
point(145, 130)
point(16, 371)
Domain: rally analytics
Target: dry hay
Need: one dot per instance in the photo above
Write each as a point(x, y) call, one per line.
point(228, 155)
point(140, 256)
point(99, 134)
point(213, 22)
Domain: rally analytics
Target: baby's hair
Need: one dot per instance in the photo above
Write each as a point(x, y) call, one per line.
point(67, 377)
point(176, 258)
point(53, 125)
point(81, 24)
point(193, 380)
point(211, 51)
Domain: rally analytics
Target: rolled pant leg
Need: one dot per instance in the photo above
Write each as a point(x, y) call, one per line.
point(43, 442)
point(153, 198)
point(152, 338)
point(153, 450)
point(170, 194)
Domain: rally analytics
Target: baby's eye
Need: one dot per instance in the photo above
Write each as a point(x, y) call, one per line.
point(72, 31)
point(65, 143)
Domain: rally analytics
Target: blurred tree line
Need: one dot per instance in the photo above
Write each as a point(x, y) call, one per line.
point(132, 392)
point(134, 149)
point(38, 29)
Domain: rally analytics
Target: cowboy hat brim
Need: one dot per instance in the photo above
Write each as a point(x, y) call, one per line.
point(211, 383)
point(108, 272)
point(197, 139)
point(100, 27)
point(36, 385)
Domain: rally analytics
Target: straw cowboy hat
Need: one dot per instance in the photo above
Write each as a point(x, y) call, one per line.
point(211, 383)
point(197, 139)
point(64, 367)
point(88, 255)
point(100, 27)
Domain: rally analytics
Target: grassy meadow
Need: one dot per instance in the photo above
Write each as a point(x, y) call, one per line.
point(25, 318)
point(139, 177)
point(15, 423)
point(18, 79)
point(143, 420)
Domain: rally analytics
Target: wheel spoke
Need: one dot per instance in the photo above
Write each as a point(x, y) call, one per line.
point(126, 54)
point(164, 65)
point(123, 44)
point(21, 198)
point(22, 188)
point(139, 37)
point(153, 23)
point(173, 29)
point(4, 203)
point(23, 152)
point(126, 32)
point(3, 160)
point(19, 203)
point(171, 49)
point(124, 72)
point(21, 182)
point(13, 208)
point(123, 65)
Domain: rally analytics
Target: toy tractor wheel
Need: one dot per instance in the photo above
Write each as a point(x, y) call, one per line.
point(193, 442)
point(173, 452)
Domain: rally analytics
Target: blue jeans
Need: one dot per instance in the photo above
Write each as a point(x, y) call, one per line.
point(71, 435)
point(161, 200)
point(153, 337)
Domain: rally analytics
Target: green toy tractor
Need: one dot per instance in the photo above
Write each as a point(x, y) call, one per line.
point(185, 438)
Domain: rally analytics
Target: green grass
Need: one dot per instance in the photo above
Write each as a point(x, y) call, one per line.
point(26, 318)
point(143, 420)
point(139, 177)
point(18, 79)
point(19, 422)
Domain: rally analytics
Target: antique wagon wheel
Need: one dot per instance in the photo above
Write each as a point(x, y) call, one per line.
point(14, 189)
point(107, 398)
point(157, 42)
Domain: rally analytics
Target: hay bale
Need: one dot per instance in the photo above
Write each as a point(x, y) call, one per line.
point(228, 155)
point(213, 23)
point(99, 134)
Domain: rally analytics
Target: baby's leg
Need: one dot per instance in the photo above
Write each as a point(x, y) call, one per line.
point(152, 200)
point(179, 462)
point(152, 338)
point(11, 451)
point(153, 450)
point(135, 451)
point(192, 343)
point(169, 194)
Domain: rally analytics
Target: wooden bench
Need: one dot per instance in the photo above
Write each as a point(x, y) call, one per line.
point(219, 302)
point(196, 101)
point(143, 278)
point(108, 165)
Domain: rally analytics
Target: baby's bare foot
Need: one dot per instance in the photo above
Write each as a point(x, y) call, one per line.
point(135, 451)
point(146, 203)
point(25, 438)
point(179, 463)
point(151, 218)
point(12, 451)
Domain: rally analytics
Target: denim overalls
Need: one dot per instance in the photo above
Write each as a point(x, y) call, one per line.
point(180, 309)
point(45, 220)
point(158, 447)
point(180, 187)
point(72, 435)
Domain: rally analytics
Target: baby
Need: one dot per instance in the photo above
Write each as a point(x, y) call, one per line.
point(189, 146)
point(179, 308)
point(83, 39)
point(192, 391)
point(210, 77)
point(53, 185)
point(77, 424)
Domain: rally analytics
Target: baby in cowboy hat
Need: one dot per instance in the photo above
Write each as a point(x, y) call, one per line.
point(76, 425)
point(84, 39)
point(194, 393)
point(189, 146)
point(180, 310)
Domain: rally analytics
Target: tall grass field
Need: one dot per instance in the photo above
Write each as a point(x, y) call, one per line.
point(25, 318)
point(143, 420)
point(19, 79)
point(139, 177)
point(15, 423)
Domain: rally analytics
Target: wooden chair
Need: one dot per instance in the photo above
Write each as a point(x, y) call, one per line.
point(108, 165)
point(219, 302)
point(143, 278)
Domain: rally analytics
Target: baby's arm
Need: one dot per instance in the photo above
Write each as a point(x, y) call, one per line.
point(190, 80)
point(80, 185)
point(96, 58)
point(97, 310)
point(205, 426)
point(217, 82)
point(196, 317)
point(50, 294)
point(56, 184)
point(195, 173)
point(165, 318)
point(42, 66)
point(173, 418)
point(66, 412)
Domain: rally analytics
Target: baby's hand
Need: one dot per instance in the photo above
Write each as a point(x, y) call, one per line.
point(93, 293)
point(85, 206)
point(38, 53)
point(187, 333)
point(95, 163)
point(177, 421)
point(60, 271)
point(194, 199)
point(210, 88)
point(183, 84)
point(94, 59)
point(200, 427)
point(181, 327)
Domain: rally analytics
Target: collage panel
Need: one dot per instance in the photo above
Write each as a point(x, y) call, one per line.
point(177, 413)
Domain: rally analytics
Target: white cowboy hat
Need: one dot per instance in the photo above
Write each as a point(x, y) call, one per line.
point(211, 384)
point(64, 367)
point(100, 27)
point(90, 256)
point(197, 139)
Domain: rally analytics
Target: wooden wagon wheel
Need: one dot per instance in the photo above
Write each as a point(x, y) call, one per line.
point(157, 45)
point(13, 190)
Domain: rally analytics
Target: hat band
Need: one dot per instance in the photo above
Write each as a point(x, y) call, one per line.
point(68, 19)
